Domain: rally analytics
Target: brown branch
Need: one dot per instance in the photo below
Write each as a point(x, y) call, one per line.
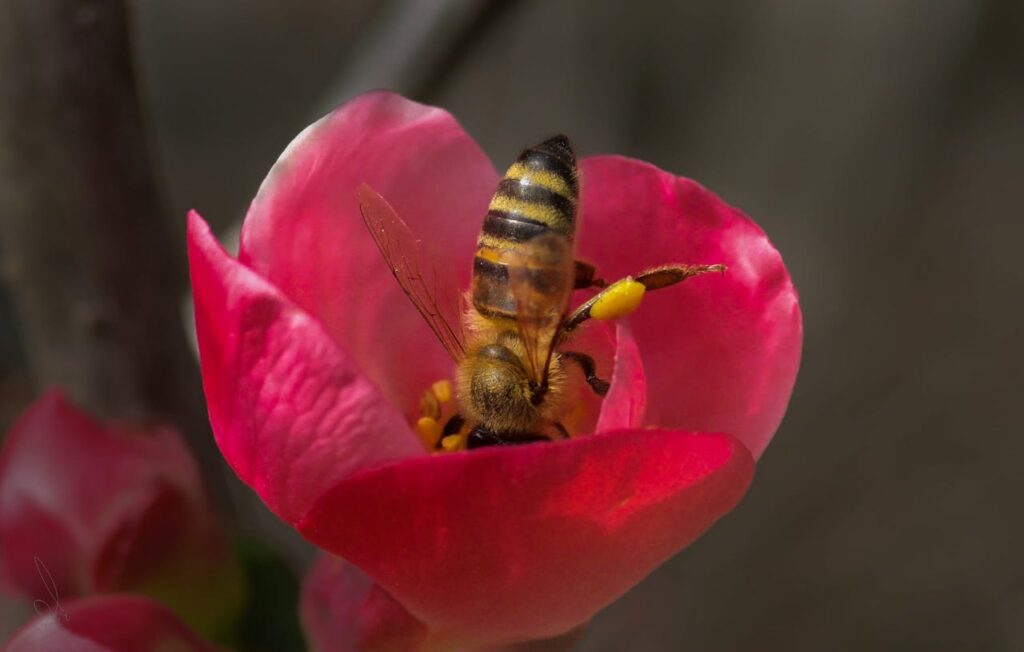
point(93, 264)
point(412, 47)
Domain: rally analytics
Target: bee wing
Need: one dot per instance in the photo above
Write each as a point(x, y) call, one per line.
point(541, 277)
point(401, 250)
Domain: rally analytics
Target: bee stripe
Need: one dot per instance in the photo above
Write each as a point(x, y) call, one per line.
point(537, 197)
point(535, 161)
point(525, 190)
point(550, 180)
point(549, 215)
point(554, 149)
point(490, 269)
point(490, 247)
point(512, 227)
point(488, 252)
point(546, 280)
point(494, 313)
point(490, 287)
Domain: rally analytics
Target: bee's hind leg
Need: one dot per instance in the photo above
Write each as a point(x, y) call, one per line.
point(586, 364)
point(623, 296)
point(584, 277)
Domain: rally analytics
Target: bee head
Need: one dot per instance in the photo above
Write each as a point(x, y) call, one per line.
point(501, 391)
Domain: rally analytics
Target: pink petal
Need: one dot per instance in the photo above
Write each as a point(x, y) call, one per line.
point(342, 610)
point(149, 538)
point(527, 542)
point(110, 623)
point(720, 352)
point(305, 235)
point(291, 413)
point(69, 485)
point(624, 406)
point(29, 532)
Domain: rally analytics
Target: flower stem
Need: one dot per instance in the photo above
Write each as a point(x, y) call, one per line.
point(89, 258)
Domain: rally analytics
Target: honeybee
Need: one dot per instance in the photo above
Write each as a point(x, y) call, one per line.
point(512, 372)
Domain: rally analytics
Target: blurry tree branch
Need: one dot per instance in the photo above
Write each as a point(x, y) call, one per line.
point(411, 46)
point(90, 258)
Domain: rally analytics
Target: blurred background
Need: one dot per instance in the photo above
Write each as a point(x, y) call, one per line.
point(879, 143)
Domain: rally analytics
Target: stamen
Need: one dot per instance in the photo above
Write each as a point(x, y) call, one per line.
point(430, 406)
point(453, 443)
point(442, 389)
point(432, 402)
point(429, 431)
point(435, 398)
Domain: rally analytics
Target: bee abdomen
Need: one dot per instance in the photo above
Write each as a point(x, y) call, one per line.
point(492, 296)
point(540, 188)
point(537, 196)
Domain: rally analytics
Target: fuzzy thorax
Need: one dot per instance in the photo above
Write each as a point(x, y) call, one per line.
point(494, 389)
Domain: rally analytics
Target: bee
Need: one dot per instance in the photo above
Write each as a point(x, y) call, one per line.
point(512, 370)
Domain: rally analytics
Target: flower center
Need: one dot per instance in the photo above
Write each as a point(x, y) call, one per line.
point(435, 410)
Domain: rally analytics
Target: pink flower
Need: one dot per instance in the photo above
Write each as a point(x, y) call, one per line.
point(89, 508)
point(314, 362)
point(109, 623)
point(342, 609)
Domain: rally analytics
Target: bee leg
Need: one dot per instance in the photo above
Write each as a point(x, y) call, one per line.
point(479, 437)
point(666, 275)
point(623, 296)
point(584, 276)
point(586, 364)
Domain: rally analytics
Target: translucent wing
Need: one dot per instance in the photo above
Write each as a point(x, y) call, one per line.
point(401, 250)
point(541, 276)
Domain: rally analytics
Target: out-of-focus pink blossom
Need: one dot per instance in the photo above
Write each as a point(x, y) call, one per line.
point(342, 609)
point(109, 623)
point(89, 508)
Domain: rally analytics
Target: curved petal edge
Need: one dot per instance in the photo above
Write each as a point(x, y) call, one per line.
point(342, 610)
point(107, 623)
point(291, 413)
point(720, 351)
point(304, 232)
point(570, 527)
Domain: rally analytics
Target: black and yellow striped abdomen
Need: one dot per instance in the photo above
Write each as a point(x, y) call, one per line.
point(537, 197)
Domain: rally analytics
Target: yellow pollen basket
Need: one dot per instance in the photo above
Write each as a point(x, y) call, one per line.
point(620, 298)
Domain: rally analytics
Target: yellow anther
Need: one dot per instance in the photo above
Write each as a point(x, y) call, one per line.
point(620, 298)
point(453, 443)
point(442, 390)
point(429, 405)
point(429, 431)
